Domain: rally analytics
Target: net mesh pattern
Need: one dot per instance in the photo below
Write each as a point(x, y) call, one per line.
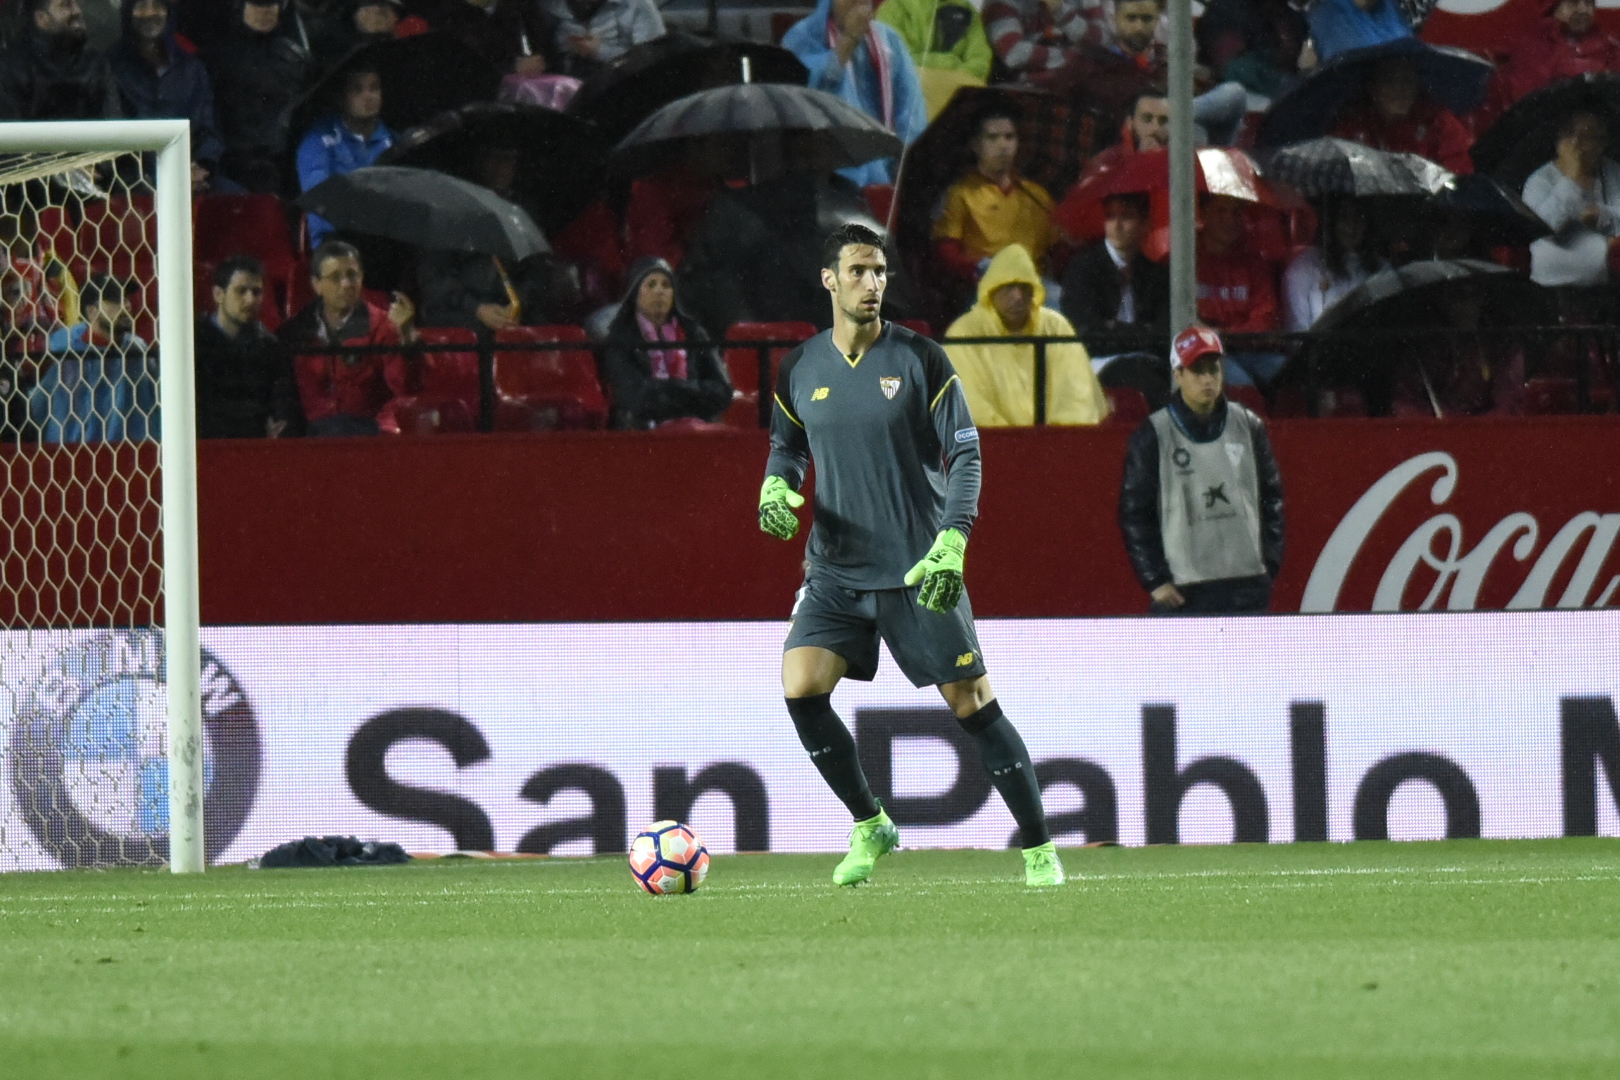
point(82, 687)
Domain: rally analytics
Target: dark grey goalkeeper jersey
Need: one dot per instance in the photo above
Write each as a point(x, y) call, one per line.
point(896, 453)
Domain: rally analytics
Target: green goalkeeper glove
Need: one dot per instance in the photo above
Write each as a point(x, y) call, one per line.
point(940, 572)
point(777, 502)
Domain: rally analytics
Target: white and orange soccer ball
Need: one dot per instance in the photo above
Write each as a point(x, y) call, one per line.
point(667, 857)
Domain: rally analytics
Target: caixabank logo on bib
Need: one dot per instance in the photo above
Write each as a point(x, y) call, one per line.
point(89, 752)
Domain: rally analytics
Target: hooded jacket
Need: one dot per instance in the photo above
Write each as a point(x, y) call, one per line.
point(945, 34)
point(1550, 54)
point(44, 78)
point(999, 380)
point(257, 80)
point(641, 400)
point(884, 86)
point(180, 89)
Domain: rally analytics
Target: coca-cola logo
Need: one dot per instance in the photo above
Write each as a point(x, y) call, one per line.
point(1438, 552)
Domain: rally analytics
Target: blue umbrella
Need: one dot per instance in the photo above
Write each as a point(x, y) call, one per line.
point(1456, 78)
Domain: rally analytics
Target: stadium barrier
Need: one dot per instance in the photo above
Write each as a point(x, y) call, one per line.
point(1587, 357)
point(568, 738)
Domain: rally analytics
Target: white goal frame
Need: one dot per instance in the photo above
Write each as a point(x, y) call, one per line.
point(170, 140)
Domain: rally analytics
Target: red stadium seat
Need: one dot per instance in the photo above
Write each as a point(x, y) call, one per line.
point(448, 395)
point(119, 236)
point(1249, 397)
point(1550, 397)
point(1128, 405)
point(541, 390)
point(416, 416)
point(743, 363)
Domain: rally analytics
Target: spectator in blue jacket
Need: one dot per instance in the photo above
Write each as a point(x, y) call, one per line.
point(102, 383)
point(345, 141)
point(1341, 25)
point(853, 56)
point(159, 80)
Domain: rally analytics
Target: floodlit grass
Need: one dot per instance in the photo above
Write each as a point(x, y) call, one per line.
point(1463, 959)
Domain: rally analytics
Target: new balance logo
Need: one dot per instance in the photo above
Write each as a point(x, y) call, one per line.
point(820, 393)
point(964, 660)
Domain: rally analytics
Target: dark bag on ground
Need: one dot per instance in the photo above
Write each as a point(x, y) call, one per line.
point(332, 851)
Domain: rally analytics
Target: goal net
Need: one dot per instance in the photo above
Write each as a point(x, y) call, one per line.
point(103, 753)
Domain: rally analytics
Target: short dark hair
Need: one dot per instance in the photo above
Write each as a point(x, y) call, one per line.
point(1140, 201)
point(101, 287)
point(1153, 91)
point(360, 67)
point(329, 250)
point(847, 234)
point(236, 264)
point(996, 110)
point(36, 6)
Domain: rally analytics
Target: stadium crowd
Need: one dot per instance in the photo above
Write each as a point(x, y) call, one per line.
point(1029, 205)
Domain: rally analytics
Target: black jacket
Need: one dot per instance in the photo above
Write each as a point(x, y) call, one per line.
point(182, 90)
point(45, 78)
point(1091, 288)
point(257, 80)
point(639, 399)
point(453, 284)
point(1139, 493)
point(243, 382)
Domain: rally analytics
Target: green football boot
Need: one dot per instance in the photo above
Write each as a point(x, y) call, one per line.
point(1042, 869)
point(869, 841)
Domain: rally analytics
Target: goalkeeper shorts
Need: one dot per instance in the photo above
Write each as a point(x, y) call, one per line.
point(931, 648)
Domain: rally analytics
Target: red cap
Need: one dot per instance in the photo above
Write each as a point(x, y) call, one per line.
point(1193, 343)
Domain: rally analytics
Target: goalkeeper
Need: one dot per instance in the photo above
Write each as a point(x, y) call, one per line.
point(897, 488)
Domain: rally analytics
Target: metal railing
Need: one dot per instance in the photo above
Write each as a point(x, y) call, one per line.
point(1315, 360)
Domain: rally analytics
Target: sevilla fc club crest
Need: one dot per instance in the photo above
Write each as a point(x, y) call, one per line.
point(890, 385)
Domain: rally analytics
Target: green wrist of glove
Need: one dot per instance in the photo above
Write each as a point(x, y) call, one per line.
point(940, 572)
point(777, 502)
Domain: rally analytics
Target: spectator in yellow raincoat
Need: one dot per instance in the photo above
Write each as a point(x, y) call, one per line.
point(999, 380)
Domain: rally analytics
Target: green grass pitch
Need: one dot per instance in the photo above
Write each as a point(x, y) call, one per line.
point(1471, 959)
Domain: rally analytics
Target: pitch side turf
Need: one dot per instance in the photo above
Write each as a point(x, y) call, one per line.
point(1396, 961)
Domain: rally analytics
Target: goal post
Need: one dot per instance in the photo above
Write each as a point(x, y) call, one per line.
point(41, 154)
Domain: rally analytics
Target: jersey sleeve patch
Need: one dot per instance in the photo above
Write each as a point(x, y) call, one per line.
point(967, 434)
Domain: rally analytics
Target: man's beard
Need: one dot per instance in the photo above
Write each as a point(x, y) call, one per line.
point(861, 317)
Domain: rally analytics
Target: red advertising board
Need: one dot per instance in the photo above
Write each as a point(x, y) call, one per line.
point(607, 526)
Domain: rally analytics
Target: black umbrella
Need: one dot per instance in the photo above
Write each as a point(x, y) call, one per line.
point(427, 209)
point(633, 86)
point(1455, 78)
point(1329, 166)
point(560, 158)
point(1496, 212)
point(820, 132)
point(1522, 139)
point(420, 75)
point(1410, 296)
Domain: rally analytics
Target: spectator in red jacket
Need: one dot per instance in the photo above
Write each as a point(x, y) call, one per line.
point(1567, 43)
point(1396, 114)
point(1237, 289)
point(348, 393)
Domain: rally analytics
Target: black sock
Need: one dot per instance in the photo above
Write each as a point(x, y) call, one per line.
point(832, 748)
point(1006, 759)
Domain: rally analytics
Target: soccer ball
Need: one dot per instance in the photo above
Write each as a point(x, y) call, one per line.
point(668, 858)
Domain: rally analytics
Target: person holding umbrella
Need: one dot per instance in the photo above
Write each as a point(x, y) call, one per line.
point(1568, 43)
point(1578, 195)
point(1396, 113)
point(342, 142)
point(1345, 254)
point(852, 56)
